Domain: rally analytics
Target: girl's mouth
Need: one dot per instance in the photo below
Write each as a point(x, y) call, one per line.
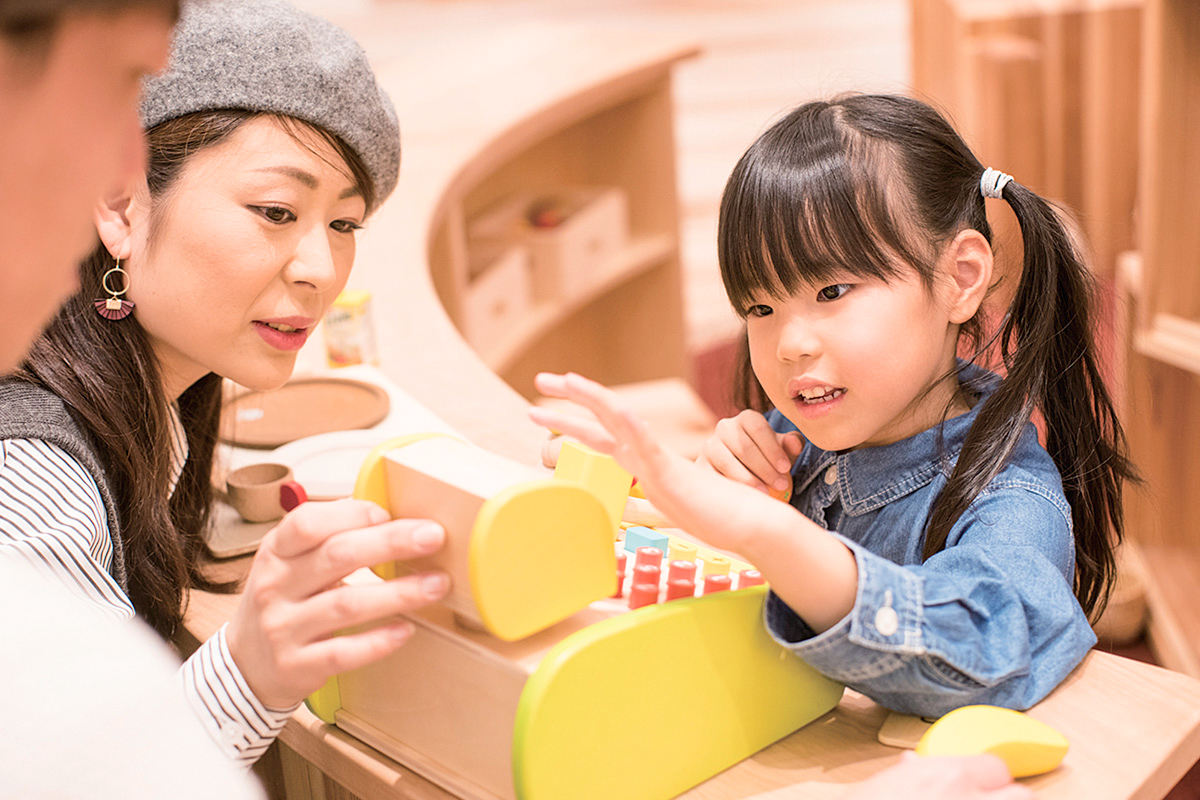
point(819, 394)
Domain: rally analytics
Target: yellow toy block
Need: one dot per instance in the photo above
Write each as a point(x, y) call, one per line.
point(600, 474)
point(1027, 746)
point(522, 552)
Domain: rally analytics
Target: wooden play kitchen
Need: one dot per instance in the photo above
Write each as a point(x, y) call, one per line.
point(536, 680)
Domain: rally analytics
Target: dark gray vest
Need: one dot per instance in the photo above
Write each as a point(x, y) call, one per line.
point(31, 412)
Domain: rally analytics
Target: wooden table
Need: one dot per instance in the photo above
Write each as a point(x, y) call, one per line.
point(1134, 728)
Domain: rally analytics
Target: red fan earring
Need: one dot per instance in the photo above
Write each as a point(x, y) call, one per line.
point(114, 307)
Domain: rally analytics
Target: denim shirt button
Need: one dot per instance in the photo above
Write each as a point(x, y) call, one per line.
point(831, 474)
point(887, 621)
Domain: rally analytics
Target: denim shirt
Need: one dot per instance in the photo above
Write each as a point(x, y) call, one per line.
point(990, 619)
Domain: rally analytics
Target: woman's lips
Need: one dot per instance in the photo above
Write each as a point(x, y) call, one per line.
point(281, 335)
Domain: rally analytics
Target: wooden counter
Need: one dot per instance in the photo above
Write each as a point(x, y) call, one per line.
point(573, 104)
point(1134, 731)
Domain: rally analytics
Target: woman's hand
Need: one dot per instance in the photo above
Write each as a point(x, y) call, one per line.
point(942, 778)
point(746, 449)
point(283, 636)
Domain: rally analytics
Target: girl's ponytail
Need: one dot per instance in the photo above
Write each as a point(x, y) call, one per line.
point(1046, 343)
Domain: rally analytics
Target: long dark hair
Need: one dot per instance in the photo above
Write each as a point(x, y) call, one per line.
point(107, 374)
point(870, 183)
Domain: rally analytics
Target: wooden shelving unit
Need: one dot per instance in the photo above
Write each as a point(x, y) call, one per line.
point(1046, 90)
point(627, 324)
point(1163, 365)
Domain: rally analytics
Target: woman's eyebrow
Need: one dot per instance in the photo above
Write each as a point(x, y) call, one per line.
point(307, 178)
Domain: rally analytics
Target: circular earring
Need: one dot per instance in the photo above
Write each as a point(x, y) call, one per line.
point(114, 307)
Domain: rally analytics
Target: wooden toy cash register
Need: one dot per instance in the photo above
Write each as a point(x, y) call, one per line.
point(563, 665)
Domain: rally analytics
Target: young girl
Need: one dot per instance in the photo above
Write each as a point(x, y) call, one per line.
point(931, 545)
point(270, 143)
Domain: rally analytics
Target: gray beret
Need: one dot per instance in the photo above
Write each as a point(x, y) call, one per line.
point(266, 55)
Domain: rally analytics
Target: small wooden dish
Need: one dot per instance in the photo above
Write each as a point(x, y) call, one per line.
point(301, 408)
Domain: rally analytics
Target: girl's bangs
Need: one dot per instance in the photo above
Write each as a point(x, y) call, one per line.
point(805, 210)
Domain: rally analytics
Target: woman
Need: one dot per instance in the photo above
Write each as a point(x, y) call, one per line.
point(270, 144)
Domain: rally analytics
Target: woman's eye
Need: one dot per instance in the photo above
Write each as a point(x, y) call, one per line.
point(345, 226)
point(277, 214)
point(758, 311)
point(833, 292)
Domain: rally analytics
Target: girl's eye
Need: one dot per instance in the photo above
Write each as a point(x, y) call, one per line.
point(276, 214)
point(833, 292)
point(758, 311)
point(345, 226)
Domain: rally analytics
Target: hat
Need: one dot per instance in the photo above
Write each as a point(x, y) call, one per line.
point(267, 55)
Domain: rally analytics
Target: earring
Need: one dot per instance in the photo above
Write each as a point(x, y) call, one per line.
point(114, 307)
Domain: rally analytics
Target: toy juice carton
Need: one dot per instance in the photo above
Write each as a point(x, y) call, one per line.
point(349, 330)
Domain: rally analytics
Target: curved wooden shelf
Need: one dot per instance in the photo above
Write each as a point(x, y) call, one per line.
point(642, 254)
point(461, 132)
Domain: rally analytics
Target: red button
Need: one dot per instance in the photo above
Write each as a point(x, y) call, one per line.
point(647, 573)
point(716, 583)
point(643, 594)
point(682, 571)
point(750, 577)
point(648, 555)
point(680, 588)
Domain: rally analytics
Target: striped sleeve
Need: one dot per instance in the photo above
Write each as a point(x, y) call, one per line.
point(237, 721)
point(52, 516)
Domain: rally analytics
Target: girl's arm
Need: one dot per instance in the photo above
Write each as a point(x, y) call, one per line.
point(812, 571)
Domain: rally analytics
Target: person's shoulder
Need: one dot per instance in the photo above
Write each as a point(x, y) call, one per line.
point(1027, 493)
point(23, 403)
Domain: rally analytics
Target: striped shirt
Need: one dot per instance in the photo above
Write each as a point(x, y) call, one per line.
point(52, 516)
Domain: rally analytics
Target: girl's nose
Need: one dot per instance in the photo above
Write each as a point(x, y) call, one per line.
point(798, 339)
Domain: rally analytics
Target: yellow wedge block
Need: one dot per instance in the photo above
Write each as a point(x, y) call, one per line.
point(1027, 746)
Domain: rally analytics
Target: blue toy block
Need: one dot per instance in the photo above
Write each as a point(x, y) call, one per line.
point(640, 536)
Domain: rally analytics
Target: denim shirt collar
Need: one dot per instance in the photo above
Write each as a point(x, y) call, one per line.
point(872, 477)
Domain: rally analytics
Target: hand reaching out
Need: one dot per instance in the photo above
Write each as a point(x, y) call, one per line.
point(283, 635)
point(812, 571)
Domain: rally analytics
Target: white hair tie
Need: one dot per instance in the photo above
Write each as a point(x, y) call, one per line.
point(993, 182)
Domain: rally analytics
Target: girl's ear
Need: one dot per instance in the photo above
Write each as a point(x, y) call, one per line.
point(968, 265)
point(116, 217)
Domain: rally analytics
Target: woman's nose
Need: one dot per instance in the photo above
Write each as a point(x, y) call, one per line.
point(314, 262)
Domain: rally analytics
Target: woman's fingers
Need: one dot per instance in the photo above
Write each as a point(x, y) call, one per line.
point(323, 554)
point(311, 524)
point(348, 606)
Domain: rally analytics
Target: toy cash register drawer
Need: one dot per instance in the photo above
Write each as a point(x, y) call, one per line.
point(602, 702)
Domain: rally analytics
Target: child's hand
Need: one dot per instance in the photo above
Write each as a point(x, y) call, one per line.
point(812, 571)
point(745, 449)
point(693, 497)
point(282, 636)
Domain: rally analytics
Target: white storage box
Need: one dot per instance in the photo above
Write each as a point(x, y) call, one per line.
point(498, 297)
point(573, 235)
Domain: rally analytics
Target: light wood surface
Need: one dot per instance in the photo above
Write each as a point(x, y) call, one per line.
point(1134, 730)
